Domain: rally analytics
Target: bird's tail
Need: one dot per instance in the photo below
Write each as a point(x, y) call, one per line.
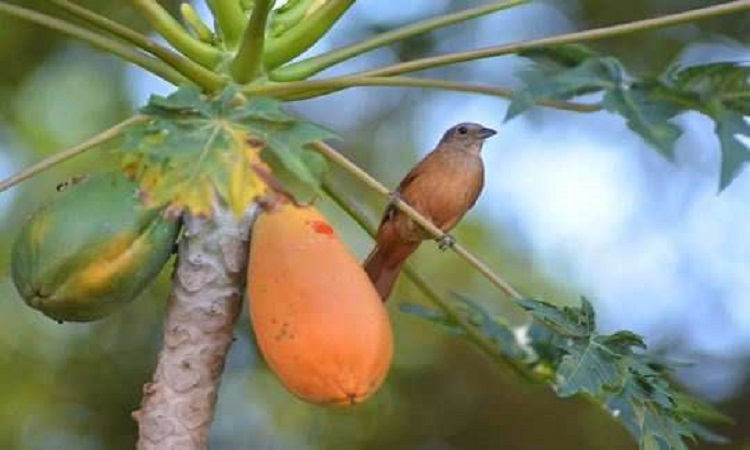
point(384, 263)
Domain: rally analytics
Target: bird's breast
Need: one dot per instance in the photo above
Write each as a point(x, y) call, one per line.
point(446, 190)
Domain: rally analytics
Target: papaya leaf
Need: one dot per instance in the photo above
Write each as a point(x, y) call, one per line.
point(564, 321)
point(649, 118)
point(499, 332)
point(193, 149)
point(433, 316)
point(184, 100)
point(734, 152)
point(613, 370)
point(699, 410)
point(562, 56)
point(543, 341)
point(288, 144)
point(561, 346)
point(591, 363)
point(721, 91)
point(566, 72)
point(593, 366)
point(704, 434)
point(724, 82)
point(556, 82)
point(648, 103)
point(661, 431)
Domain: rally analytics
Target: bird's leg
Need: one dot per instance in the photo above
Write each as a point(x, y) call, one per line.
point(446, 241)
point(394, 196)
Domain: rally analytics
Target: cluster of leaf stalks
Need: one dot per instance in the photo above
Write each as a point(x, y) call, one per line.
point(248, 52)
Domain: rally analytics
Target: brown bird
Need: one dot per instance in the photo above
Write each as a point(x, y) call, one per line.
point(442, 187)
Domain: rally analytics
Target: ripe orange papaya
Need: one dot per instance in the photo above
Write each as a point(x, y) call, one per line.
point(318, 320)
point(92, 249)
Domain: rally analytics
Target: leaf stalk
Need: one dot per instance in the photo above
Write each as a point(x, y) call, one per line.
point(301, 90)
point(568, 38)
point(248, 63)
point(201, 76)
point(97, 40)
point(309, 67)
point(163, 22)
point(230, 19)
point(59, 157)
point(305, 34)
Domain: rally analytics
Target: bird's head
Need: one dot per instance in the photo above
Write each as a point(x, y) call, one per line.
point(467, 135)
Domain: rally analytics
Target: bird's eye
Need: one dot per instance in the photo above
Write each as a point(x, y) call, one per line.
point(462, 130)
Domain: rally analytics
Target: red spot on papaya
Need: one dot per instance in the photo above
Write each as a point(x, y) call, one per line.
point(321, 227)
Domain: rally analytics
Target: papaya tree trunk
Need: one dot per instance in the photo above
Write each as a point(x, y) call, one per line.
point(178, 404)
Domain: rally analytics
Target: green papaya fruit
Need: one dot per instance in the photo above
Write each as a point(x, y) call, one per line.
point(92, 249)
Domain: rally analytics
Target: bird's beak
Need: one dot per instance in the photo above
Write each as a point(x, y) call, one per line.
point(485, 133)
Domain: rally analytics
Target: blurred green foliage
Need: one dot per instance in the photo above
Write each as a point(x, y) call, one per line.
point(74, 385)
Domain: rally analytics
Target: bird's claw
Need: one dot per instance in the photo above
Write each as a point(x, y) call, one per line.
point(446, 241)
point(394, 196)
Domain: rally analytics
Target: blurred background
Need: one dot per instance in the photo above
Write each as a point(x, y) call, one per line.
point(575, 204)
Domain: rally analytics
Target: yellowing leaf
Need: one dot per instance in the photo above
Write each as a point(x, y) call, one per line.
point(244, 185)
point(194, 151)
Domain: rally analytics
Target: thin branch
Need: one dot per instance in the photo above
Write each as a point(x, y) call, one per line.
point(112, 46)
point(569, 38)
point(230, 19)
point(301, 90)
point(248, 63)
point(195, 72)
point(330, 153)
point(309, 67)
point(447, 307)
point(59, 157)
point(163, 22)
point(304, 34)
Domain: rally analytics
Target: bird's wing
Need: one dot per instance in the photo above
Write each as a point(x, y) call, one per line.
point(415, 172)
point(403, 187)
